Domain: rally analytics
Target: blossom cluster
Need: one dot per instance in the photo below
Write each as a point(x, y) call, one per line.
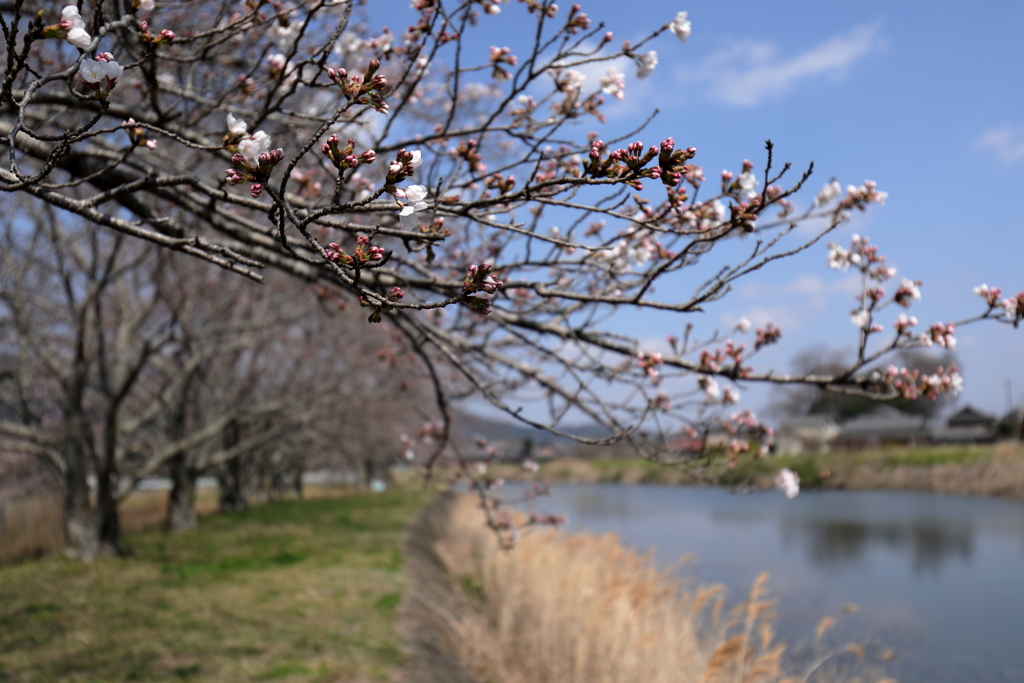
point(650, 363)
point(636, 248)
point(481, 279)
point(1013, 307)
point(343, 157)
point(404, 165)
point(629, 164)
point(861, 255)
point(368, 89)
point(912, 384)
point(478, 283)
point(253, 159)
point(100, 74)
point(941, 335)
point(137, 135)
point(365, 254)
point(856, 197)
point(500, 56)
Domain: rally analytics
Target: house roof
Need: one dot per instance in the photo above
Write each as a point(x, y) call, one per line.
point(806, 421)
point(884, 422)
point(969, 416)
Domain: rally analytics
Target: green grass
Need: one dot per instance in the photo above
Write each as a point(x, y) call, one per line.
point(289, 591)
point(935, 456)
point(749, 471)
point(615, 470)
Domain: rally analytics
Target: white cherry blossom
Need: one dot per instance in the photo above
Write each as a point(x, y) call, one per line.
point(237, 126)
point(253, 146)
point(911, 289)
point(613, 83)
point(647, 63)
point(1009, 307)
point(747, 182)
point(788, 482)
point(415, 195)
point(828, 194)
point(114, 70)
point(70, 14)
point(79, 37)
point(838, 257)
point(96, 70)
point(710, 387)
point(681, 27)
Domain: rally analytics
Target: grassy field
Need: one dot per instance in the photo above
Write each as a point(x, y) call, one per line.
point(289, 591)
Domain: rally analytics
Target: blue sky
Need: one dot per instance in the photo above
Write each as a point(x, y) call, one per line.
point(923, 97)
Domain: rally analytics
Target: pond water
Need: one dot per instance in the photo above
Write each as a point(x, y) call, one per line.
point(938, 581)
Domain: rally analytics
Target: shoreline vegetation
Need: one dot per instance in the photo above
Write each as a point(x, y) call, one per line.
point(33, 527)
point(576, 608)
point(978, 470)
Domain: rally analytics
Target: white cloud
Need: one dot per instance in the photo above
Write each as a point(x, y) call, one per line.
point(1006, 142)
point(751, 72)
point(795, 305)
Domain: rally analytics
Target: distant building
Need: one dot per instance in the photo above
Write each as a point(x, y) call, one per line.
point(810, 434)
point(884, 426)
point(968, 425)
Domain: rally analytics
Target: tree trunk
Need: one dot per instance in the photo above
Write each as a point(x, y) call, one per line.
point(81, 529)
point(106, 496)
point(297, 470)
point(232, 497)
point(81, 526)
point(181, 508)
point(106, 510)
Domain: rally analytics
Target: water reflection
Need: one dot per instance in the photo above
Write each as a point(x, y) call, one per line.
point(938, 579)
point(926, 543)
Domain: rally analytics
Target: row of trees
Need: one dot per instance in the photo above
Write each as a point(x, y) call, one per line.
point(121, 361)
point(439, 181)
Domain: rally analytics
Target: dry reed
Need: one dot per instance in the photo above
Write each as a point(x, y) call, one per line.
point(582, 609)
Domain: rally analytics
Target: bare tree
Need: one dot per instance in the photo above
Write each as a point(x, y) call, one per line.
point(83, 330)
point(810, 400)
point(107, 342)
point(422, 177)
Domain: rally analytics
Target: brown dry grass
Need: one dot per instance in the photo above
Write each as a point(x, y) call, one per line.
point(30, 527)
point(996, 470)
point(582, 609)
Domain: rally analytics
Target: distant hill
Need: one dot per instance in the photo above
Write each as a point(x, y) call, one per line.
point(467, 426)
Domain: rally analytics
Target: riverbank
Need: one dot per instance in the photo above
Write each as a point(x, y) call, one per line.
point(576, 608)
point(981, 470)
